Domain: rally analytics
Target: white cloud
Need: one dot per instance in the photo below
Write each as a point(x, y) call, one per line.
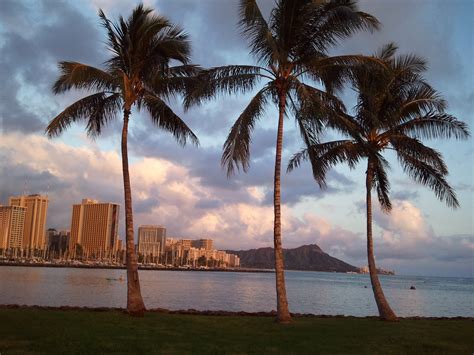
point(166, 193)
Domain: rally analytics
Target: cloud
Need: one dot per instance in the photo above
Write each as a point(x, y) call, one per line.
point(404, 217)
point(31, 46)
point(405, 195)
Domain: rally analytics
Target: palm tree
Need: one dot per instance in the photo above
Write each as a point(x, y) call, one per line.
point(395, 109)
point(137, 75)
point(292, 52)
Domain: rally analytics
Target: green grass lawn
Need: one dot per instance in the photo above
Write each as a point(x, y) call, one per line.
point(56, 331)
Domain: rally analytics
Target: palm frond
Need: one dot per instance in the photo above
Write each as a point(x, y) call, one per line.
point(229, 79)
point(335, 71)
point(172, 43)
point(324, 156)
point(408, 146)
point(387, 52)
point(310, 129)
point(433, 126)
point(332, 21)
point(253, 26)
point(289, 25)
point(421, 98)
point(297, 159)
point(315, 105)
point(144, 43)
point(113, 39)
point(236, 149)
point(174, 80)
point(80, 76)
point(430, 176)
point(164, 117)
point(97, 110)
point(409, 63)
point(381, 183)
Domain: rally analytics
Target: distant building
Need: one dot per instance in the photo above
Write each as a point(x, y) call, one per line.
point(58, 241)
point(94, 226)
point(202, 243)
point(12, 222)
point(234, 260)
point(197, 253)
point(65, 233)
point(34, 233)
point(185, 243)
point(151, 240)
point(49, 234)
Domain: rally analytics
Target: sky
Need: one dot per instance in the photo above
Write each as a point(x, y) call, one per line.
point(185, 189)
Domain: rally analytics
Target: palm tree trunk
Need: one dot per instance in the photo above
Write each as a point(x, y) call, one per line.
point(385, 311)
point(135, 305)
point(283, 314)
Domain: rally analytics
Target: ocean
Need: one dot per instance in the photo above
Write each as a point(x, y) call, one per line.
point(308, 292)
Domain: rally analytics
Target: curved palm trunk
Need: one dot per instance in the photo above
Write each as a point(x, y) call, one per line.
point(385, 311)
point(135, 305)
point(283, 314)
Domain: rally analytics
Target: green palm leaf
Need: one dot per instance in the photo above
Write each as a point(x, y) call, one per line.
point(164, 117)
point(79, 76)
point(430, 176)
point(434, 126)
point(236, 150)
point(97, 110)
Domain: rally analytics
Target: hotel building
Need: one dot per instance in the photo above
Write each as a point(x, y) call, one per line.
point(185, 243)
point(202, 243)
point(151, 240)
point(12, 222)
point(94, 226)
point(34, 233)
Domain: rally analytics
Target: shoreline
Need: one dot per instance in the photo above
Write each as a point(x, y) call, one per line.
point(154, 268)
point(145, 268)
point(218, 313)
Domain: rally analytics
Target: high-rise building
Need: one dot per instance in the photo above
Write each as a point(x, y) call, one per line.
point(151, 240)
point(34, 233)
point(12, 222)
point(185, 243)
point(202, 243)
point(94, 226)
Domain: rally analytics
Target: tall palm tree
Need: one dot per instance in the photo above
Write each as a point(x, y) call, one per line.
point(291, 50)
point(396, 108)
point(137, 75)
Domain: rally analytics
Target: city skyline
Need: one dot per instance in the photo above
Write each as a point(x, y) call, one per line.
point(186, 190)
point(93, 237)
point(93, 225)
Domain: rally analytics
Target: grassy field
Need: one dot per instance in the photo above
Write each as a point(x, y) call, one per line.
point(56, 331)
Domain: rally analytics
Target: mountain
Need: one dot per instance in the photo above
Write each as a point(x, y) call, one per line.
point(306, 257)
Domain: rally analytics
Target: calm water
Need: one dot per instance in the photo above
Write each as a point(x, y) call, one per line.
point(308, 292)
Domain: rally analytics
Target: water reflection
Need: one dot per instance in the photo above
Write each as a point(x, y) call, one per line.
point(308, 292)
